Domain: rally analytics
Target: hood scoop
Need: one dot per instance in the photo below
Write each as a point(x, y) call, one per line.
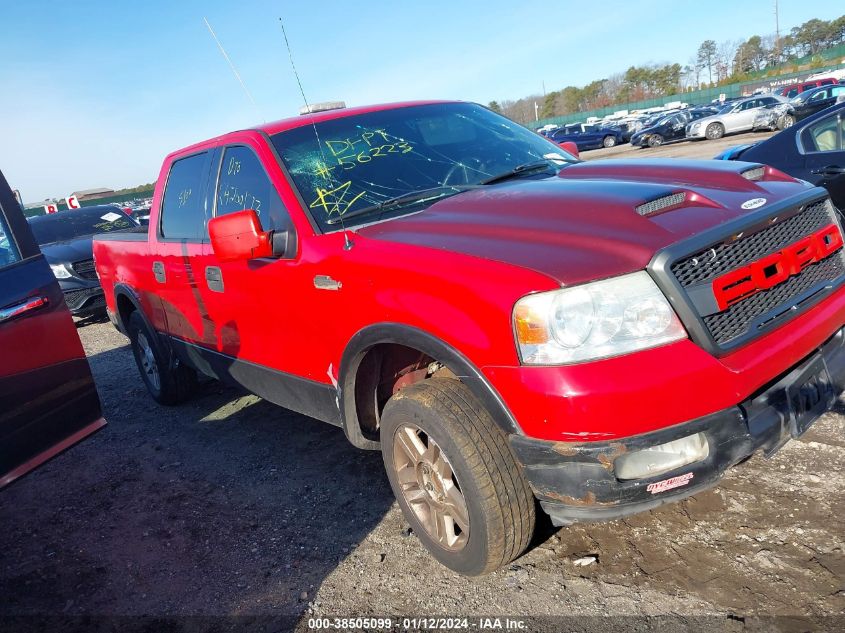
point(662, 203)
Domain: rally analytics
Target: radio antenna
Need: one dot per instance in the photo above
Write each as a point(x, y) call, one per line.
point(347, 244)
point(234, 70)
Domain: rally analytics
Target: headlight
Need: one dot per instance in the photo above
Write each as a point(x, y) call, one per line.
point(596, 320)
point(60, 271)
point(695, 127)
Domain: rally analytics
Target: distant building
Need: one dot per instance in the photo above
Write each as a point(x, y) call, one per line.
point(92, 194)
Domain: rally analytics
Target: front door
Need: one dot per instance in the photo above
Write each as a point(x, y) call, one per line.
point(823, 142)
point(48, 400)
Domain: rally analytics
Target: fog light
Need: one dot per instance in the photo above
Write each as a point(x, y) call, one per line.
point(662, 458)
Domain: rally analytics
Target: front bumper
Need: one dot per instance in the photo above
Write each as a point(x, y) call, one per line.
point(83, 298)
point(576, 481)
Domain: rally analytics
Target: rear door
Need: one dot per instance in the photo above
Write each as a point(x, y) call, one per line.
point(48, 400)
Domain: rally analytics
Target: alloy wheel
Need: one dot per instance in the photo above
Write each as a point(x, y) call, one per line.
point(430, 487)
point(148, 361)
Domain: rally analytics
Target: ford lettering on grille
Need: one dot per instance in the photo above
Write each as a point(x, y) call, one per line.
point(776, 268)
point(753, 279)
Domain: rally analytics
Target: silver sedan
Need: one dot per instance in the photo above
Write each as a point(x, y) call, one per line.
point(737, 116)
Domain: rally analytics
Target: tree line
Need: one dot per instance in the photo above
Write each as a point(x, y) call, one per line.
point(713, 64)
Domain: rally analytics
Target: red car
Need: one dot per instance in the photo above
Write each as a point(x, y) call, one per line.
point(48, 400)
point(501, 320)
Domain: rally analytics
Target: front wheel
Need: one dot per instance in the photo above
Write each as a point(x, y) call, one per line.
point(714, 131)
point(609, 141)
point(787, 121)
point(655, 140)
point(167, 380)
point(455, 478)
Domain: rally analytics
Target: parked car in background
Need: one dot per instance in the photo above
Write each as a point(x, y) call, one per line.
point(793, 90)
point(778, 116)
point(66, 239)
point(48, 401)
point(815, 100)
point(812, 150)
point(669, 128)
point(737, 116)
point(587, 136)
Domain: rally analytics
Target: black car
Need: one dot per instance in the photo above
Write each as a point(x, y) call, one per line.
point(812, 150)
point(48, 400)
point(815, 100)
point(671, 127)
point(66, 240)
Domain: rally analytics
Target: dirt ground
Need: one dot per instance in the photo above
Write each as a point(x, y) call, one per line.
point(228, 505)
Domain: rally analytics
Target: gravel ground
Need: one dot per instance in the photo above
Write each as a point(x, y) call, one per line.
point(228, 505)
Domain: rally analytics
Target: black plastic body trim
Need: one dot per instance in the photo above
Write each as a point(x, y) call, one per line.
point(307, 397)
point(577, 482)
point(402, 334)
point(660, 269)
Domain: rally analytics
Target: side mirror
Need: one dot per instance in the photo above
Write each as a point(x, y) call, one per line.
point(570, 147)
point(239, 236)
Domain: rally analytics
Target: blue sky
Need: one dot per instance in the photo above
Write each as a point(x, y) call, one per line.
point(98, 91)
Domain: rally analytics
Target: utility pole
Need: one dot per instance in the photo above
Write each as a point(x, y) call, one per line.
point(536, 112)
point(777, 34)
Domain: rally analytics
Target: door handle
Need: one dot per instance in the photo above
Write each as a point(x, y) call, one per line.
point(7, 314)
point(214, 278)
point(158, 271)
point(829, 170)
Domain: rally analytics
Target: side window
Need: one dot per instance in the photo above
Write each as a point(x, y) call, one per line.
point(243, 184)
point(792, 93)
point(837, 90)
point(825, 135)
point(8, 252)
point(821, 94)
point(183, 213)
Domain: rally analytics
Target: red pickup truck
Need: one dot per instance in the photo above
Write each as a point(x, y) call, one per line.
point(502, 320)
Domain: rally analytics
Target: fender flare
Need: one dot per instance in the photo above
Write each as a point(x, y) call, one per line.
point(123, 290)
point(402, 334)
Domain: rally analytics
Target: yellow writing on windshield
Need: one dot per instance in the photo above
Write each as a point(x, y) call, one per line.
point(335, 200)
point(363, 148)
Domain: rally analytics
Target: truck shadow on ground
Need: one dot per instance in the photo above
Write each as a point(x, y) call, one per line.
point(186, 510)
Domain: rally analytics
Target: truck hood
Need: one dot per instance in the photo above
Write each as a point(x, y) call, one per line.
point(584, 225)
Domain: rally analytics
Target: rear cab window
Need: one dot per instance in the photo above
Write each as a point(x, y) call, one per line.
point(184, 214)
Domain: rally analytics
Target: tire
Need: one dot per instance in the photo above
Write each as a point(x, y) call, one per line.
point(655, 140)
point(786, 121)
point(168, 380)
point(714, 131)
point(608, 141)
point(462, 456)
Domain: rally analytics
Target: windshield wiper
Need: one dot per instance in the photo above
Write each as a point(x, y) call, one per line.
point(398, 201)
point(519, 170)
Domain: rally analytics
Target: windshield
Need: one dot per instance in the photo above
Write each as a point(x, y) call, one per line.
point(69, 225)
point(364, 160)
point(804, 96)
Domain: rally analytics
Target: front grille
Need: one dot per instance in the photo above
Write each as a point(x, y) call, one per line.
point(85, 269)
point(76, 299)
point(739, 318)
point(712, 262)
point(748, 317)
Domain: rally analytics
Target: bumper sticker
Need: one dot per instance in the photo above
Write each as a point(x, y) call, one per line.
point(668, 484)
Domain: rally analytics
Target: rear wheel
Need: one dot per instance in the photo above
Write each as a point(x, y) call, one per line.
point(655, 140)
point(455, 477)
point(715, 131)
point(168, 380)
point(609, 141)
